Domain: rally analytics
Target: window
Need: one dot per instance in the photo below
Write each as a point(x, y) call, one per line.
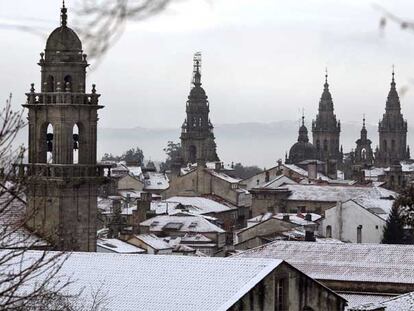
point(328, 232)
point(75, 136)
point(280, 295)
point(49, 143)
point(50, 84)
point(359, 234)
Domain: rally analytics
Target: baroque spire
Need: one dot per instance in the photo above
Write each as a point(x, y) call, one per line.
point(326, 104)
point(393, 100)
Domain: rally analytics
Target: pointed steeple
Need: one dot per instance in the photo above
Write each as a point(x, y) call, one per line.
point(196, 70)
point(63, 15)
point(393, 100)
point(303, 132)
point(364, 132)
point(326, 104)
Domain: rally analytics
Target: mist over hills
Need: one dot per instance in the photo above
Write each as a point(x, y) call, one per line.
point(259, 144)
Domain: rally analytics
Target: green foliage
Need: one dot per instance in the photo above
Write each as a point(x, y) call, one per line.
point(130, 156)
point(173, 151)
point(244, 172)
point(398, 229)
point(394, 227)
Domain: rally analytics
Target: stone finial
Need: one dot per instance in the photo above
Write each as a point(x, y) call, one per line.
point(93, 88)
point(32, 89)
point(64, 15)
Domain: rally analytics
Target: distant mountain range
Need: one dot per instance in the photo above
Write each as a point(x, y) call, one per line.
point(261, 144)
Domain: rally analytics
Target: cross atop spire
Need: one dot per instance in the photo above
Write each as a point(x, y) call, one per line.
point(196, 70)
point(303, 116)
point(363, 121)
point(63, 15)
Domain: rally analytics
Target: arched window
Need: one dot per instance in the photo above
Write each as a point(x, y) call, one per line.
point(325, 145)
point(192, 154)
point(393, 145)
point(68, 83)
point(359, 234)
point(328, 231)
point(75, 136)
point(49, 143)
point(50, 84)
point(385, 145)
point(318, 145)
point(363, 154)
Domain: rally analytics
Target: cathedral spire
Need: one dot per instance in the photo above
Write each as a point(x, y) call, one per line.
point(63, 15)
point(303, 131)
point(364, 133)
point(393, 100)
point(326, 103)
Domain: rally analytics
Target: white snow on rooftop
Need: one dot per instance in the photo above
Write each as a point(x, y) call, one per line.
point(181, 223)
point(155, 181)
point(400, 303)
point(330, 193)
point(344, 261)
point(304, 173)
point(225, 177)
point(200, 205)
point(118, 246)
point(153, 241)
point(162, 283)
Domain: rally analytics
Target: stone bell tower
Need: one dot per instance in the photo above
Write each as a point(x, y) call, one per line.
point(197, 137)
point(62, 172)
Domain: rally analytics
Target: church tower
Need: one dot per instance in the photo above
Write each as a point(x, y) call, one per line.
point(326, 129)
point(363, 154)
point(302, 150)
point(62, 172)
point(392, 131)
point(197, 138)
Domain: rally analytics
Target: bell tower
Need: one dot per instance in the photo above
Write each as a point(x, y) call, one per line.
point(62, 172)
point(197, 137)
point(326, 129)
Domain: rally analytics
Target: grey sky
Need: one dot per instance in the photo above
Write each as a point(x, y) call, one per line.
point(263, 60)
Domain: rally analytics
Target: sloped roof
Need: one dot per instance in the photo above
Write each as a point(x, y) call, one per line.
point(187, 223)
point(153, 241)
point(118, 246)
point(330, 193)
point(381, 263)
point(161, 283)
point(200, 205)
point(400, 303)
point(155, 181)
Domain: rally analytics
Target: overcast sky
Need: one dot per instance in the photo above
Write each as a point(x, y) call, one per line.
point(263, 60)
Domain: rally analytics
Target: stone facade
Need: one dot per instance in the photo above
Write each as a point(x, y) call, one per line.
point(62, 170)
point(392, 132)
point(326, 129)
point(197, 137)
point(286, 288)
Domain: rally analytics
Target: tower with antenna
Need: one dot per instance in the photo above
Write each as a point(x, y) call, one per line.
point(197, 137)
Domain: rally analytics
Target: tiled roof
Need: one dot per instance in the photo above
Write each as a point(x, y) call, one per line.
point(161, 283)
point(118, 246)
point(344, 261)
point(153, 241)
point(400, 303)
point(187, 224)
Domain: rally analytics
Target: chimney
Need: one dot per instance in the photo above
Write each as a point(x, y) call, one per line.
point(286, 217)
point(308, 217)
point(217, 166)
point(331, 169)
point(143, 211)
point(313, 170)
point(309, 236)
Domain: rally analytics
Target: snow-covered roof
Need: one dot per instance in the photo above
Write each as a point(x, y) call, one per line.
point(380, 207)
point(331, 193)
point(200, 205)
point(383, 263)
point(159, 283)
point(181, 223)
point(298, 219)
point(225, 177)
point(13, 232)
point(304, 173)
point(118, 246)
point(155, 181)
point(361, 299)
point(277, 182)
point(153, 241)
point(135, 171)
point(403, 302)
